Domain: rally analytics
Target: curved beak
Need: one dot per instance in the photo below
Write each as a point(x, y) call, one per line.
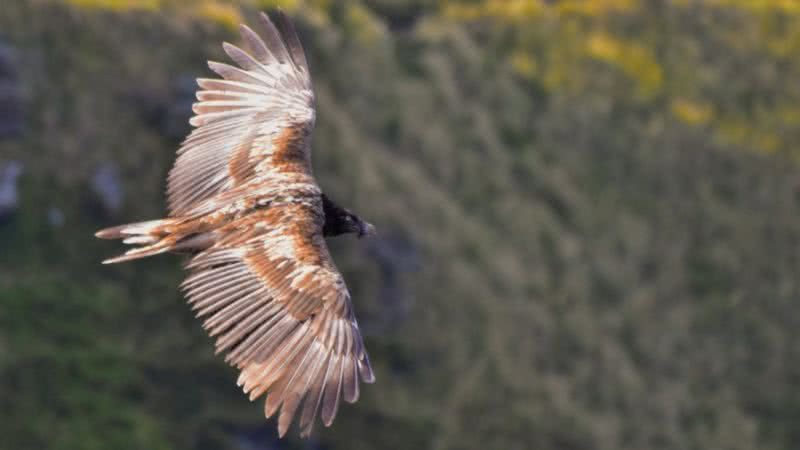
point(366, 229)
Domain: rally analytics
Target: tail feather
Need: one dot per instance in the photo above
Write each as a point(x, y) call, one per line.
point(130, 229)
point(151, 234)
point(140, 240)
point(140, 252)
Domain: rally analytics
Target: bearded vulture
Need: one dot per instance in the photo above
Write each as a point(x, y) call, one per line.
point(244, 204)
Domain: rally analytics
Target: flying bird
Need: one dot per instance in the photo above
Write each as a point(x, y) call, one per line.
point(244, 204)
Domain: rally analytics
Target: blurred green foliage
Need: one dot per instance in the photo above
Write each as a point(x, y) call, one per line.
point(603, 195)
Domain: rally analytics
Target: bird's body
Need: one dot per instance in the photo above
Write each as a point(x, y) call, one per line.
point(245, 205)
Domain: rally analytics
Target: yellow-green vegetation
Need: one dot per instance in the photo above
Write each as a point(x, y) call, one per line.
point(560, 43)
point(118, 5)
point(752, 48)
point(601, 201)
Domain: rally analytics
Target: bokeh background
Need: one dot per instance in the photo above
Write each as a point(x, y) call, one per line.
point(589, 217)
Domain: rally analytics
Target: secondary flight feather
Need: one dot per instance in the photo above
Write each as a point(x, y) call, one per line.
point(243, 202)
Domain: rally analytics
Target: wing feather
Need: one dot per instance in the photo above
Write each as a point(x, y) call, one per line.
point(274, 39)
point(240, 121)
point(314, 396)
point(270, 294)
point(241, 57)
point(292, 42)
point(332, 390)
point(255, 44)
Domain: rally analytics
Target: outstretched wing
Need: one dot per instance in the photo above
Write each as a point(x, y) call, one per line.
point(253, 124)
point(273, 299)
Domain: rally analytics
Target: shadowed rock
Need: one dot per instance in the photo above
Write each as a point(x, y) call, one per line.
point(176, 111)
point(107, 189)
point(395, 255)
point(258, 438)
point(168, 110)
point(55, 217)
point(11, 123)
point(9, 197)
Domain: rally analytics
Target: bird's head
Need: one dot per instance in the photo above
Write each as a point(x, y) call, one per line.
point(340, 221)
point(354, 224)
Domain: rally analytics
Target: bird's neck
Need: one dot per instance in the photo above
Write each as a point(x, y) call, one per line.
point(334, 218)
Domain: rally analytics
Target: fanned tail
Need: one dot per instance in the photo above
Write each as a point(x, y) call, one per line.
point(152, 235)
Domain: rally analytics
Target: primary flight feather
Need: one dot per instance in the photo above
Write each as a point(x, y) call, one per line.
point(244, 203)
